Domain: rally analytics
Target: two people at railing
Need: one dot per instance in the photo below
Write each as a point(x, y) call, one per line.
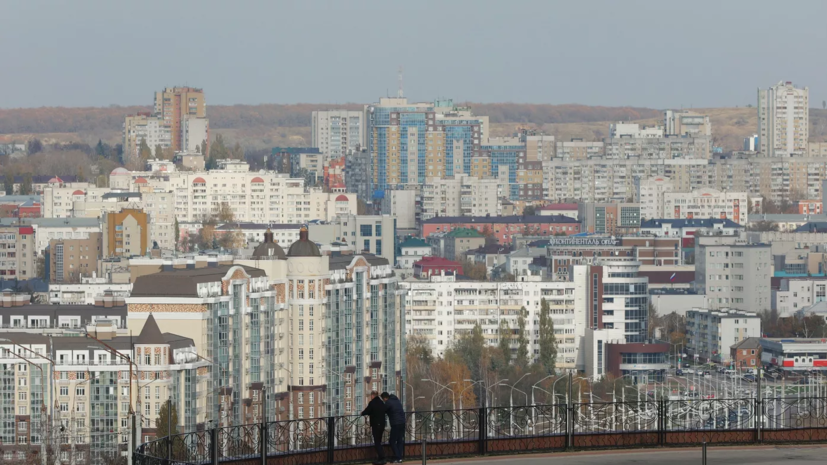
point(379, 407)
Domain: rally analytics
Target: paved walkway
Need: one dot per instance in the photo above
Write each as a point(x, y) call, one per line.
point(787, 455)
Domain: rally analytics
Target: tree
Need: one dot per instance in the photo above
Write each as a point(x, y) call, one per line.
point(419, 348)
point(203, 148)
point(81, 177)
point(522, 340)
point(102, 181)
point(225, 213)
point(470, 349)
point(100, 150)
point(26, 186)
point(548, 341)
point(34, 146)
point(505, 341)
point(8, 183)
point(176, 233)
point(529, 210)
point(164, 420)
point(763, 226)
point(237, 153)
point(218, 150)
point(474, 270)
point(159, 152)
point(144, 151)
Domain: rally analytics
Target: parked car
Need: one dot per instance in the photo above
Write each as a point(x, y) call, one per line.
point(678, 372)
point(686, 365)
point(707, 373)
point(803, 381)
point(749, 378)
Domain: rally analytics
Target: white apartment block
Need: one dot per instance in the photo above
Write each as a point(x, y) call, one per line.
point(634, 131)
point(702, 203)
point(712, 332)
point(254, 197)
point(650, 195)
point(59, 201)
point(441, 310)
point(733, 273)
point(463, 196)
point(796, 294)
point(402, 205)
point(335, 132)
point(579, 150)
point(783, 119)
point(144, 127)
point(194, 131)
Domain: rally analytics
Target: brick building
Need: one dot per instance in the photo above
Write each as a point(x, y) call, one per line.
point(746, 353)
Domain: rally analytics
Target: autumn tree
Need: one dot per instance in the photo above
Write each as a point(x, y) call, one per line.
point(522, 340)
point(419, 348)
point(8, 183)
point(176, 233)
point(474, 270)
point(470, 348)
point(548, 340)
point(225, 213)
point(361, 207)
point(159, 151)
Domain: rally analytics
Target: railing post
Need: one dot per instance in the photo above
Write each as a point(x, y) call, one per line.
point(759, 407)
point(570, 417)
point(483, 433)
point(168, 440)
point(214, 446)
point(424, 451)
point(331, 435)
point(263, 442)
point(662, 422)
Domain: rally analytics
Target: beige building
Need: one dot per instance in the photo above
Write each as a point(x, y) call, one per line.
point(174, 105)
point(335, 132)
point(154, 129)
point(18, 256)
point(126, 233)
point(73, 259)
point(463, 195)
point(783, 120)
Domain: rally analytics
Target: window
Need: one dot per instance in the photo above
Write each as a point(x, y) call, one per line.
point(366, 247)
point(157, 392)
point(311, 398)
point(378, 246)
point(64, 390)
point(80, 392)
point(366, 230)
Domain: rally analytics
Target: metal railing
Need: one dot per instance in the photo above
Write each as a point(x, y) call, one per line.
point(506, 430)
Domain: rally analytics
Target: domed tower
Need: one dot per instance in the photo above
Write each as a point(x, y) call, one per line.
point(268, 249)
point(307, 276)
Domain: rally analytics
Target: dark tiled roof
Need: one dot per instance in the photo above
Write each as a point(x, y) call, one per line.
point(340, 262)
point(813, 227)
point(85, 312)
point(184, 282)
point(748, 343)
point(515, 219)
point(690, 223)
point(150, 334)
point(491, 249)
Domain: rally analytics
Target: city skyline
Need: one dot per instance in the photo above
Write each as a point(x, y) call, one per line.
point(643, 54)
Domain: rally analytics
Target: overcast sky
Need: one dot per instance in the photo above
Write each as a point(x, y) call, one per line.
point(642, 53)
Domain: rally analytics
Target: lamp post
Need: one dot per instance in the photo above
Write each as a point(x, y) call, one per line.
point(491, 417)
point(511, 401)
point(453, 400)
point(533, 404)
point(473, 383)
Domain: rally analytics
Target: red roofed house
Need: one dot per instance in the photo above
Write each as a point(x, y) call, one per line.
point(436, 265)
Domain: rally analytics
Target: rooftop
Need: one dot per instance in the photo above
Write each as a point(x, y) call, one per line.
point(436, 261)
point(690, 223)
point(748, 343)
point(257, 226)
point(559, 206)
point(515, 219)
point(340, 262)
point(184, 282)
point(413, 242)
point(464, 232)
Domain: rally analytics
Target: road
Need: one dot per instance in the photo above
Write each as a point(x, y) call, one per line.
point(787, 455)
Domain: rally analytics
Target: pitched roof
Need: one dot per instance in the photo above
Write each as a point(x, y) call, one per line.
point(184, 282)
point(413, 242)
point(150, 334)
point(515, 219)
point(748, 343)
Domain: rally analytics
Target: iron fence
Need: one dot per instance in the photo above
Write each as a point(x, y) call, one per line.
point(504, 430)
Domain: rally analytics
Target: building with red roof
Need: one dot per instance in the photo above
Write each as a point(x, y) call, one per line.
point(429, 266)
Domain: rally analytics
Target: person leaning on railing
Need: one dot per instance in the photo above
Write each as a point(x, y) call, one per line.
point(376, 414)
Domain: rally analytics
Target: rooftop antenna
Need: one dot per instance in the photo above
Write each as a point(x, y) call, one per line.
point(399, 93)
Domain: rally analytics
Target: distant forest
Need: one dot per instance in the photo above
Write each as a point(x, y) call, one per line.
point(76, 120)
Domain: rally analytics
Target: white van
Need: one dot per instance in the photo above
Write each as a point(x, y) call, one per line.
point(730, 373)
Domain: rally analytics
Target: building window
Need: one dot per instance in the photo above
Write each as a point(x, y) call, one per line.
point(366, 230)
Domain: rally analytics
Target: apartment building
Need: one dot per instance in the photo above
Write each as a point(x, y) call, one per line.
point(733, 273)
point(317, 333)
point(404, 205)
point(126, 233)
point(195, 132)
point(795, 294)
point(686, 123)
point(701, 203)
point(578, 149)
point(504, 228)
point(155, 130)
point(563, 252)
point(18, 256)
point(687, 230)
point(173, 107)
point(46, 229)
point(373, 234)
point(463, 196)
point(87, 387)
point(783, 120)
point(711, 332)
point(615, 218)
point(71, 260)
point(457, 242)
point(59, 200)
point(336, 132)
point(441, 309)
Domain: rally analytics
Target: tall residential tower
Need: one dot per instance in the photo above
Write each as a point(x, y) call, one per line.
point(783, 120)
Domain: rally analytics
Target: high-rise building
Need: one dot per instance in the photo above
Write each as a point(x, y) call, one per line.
point(783, 120)
point(126, 233)
point(733, 273)
point(73, 259)
point(686, 123)
point(194, 133)
point(335, 132)
point(144, 127)
point(17, 252)
point(174, 104)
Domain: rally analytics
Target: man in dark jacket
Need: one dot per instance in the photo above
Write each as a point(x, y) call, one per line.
point(396, 416)
point(376, 413)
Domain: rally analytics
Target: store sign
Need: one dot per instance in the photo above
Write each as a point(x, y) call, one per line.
point(583, 241)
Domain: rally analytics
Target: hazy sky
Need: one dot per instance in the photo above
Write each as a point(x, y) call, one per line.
point(642, 53)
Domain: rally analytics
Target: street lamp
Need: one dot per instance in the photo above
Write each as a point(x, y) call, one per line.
point(453, 400)
point(511, 401)
point(533, 404)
